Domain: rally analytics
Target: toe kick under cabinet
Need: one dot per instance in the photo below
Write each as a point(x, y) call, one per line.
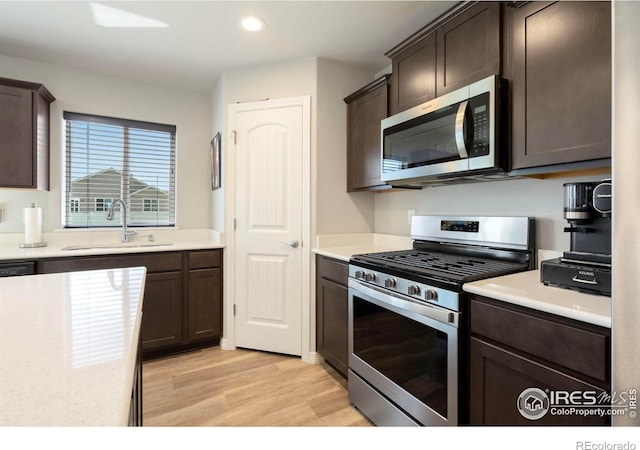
point(513, 349)
point(182, 307)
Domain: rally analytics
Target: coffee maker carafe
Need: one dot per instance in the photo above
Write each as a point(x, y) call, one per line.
point(587, 265)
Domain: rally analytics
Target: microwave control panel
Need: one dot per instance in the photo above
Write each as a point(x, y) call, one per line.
point(480, 112)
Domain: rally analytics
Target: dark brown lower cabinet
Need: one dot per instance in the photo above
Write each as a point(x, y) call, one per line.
point(514, 350)
point(205, 304)
point(332, 298)
point(498, 377)
point(182, 306)
point(162, 310)
point(135, 407)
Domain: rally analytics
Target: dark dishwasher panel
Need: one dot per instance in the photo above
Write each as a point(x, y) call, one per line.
point(12, 269)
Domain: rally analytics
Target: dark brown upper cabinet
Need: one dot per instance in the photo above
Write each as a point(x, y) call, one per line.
point(414, 74)
point(456, 49)
point(468, 47)
point(365, 109)
point(24, 134)
point(559, 70)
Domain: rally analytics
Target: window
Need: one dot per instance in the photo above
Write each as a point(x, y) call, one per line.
point(150, 205)
point(109, 158)
point(74, 205)
point(103, 204)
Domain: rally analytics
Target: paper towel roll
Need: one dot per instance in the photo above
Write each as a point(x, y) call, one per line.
point(32, 225)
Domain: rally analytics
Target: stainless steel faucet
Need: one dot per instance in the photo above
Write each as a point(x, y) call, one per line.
point(123, 207)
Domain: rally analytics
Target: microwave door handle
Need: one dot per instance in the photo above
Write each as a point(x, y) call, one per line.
point(460, 141)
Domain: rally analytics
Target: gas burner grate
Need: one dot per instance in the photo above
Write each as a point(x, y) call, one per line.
point(444, 263)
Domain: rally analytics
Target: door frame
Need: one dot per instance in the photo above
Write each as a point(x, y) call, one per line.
point(228, 340)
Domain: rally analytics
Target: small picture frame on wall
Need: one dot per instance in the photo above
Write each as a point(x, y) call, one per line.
point(215, 162)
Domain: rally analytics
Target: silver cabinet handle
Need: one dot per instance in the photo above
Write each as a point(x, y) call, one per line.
point(293, 244)
point(580, 280)
point(460, 143)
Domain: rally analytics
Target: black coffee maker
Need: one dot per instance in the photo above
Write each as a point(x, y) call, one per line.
point(587, 265)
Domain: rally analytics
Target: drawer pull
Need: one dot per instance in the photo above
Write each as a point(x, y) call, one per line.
point(580, 280)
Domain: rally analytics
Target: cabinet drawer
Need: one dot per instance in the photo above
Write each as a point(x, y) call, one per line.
point(154, 262)
point(569, 344)
point(206, 259)
point(333, 269)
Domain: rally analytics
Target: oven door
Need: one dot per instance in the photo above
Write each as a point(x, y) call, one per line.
point(403, 358)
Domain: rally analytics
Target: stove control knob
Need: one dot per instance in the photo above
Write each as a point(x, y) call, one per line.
point(431, 294)
point(370, 276)
point(359, 274)
point(414, 289)
point(390, 283)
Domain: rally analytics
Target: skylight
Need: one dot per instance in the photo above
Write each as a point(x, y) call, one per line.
point(107, 16)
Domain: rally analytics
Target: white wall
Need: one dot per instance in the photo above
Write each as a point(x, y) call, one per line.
point(218, 116)
point(92, 93)
point(336, 211)
point(626, 194)
point(539, 198)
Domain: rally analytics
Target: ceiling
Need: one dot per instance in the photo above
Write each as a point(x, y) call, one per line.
point(202, 39)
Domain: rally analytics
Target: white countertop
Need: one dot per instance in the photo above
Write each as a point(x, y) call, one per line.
point(108, 242)
point(344, 246)
point(68, 343)
point(526, 289)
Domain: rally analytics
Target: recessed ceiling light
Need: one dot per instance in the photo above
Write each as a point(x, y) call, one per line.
point(252, 23)
point(107, 16)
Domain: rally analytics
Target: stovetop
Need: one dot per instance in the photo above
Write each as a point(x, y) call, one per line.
point(445, 266)
point(449, 251)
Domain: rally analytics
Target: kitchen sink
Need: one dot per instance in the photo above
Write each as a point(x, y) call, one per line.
point(117, 245)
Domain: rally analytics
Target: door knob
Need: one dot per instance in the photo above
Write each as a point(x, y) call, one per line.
point(293, 244)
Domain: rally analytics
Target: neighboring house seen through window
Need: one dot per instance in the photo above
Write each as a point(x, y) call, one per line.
point(74, 205)
point(150, 204)
point(109, 158)
point(103, 204)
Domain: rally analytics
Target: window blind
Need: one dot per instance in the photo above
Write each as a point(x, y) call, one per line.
point(110, 158)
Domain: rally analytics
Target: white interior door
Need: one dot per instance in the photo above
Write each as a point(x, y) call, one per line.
point(268, 228)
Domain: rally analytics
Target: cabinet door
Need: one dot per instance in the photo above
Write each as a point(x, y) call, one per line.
point(162, 310)
point(560, 75)
point(414, 74)
point(498, 377)
point(363, 138)
point(205, 304)
point(332, 298)
point(16, 137)
point(333, 337)
point(469, 47)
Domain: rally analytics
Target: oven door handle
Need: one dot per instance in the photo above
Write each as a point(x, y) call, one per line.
point(461, 142)
point(401, 302)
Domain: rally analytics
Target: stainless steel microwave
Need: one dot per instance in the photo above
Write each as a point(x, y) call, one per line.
point(452, 136)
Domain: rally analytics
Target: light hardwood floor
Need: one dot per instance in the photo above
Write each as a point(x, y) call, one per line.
point(214, 387)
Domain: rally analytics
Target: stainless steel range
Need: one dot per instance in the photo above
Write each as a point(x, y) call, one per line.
point(408, 315)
